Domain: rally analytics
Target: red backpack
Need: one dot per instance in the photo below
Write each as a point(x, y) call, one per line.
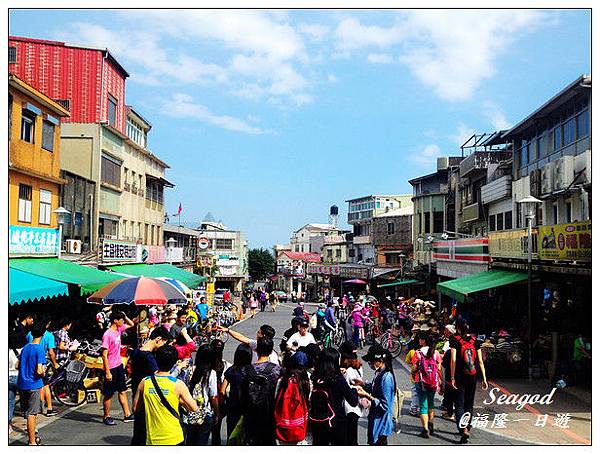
point(291, 414)
point(469, 355)
point(428, 371)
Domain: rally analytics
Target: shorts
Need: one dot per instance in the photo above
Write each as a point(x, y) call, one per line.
point(426, 400)
point(31, 402)
point(117, 384)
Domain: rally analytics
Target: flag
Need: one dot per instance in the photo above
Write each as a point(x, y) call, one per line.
point(179, 210)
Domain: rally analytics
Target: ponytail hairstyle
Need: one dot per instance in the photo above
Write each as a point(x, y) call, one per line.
point(462, 326)
point(431, 346)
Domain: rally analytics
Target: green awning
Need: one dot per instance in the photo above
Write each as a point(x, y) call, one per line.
point(89, 279)
point(24, 287)
point(463, 287)
point(393, 284)
point(160, 270)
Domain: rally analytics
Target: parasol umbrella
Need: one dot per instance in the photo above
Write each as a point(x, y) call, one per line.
point(142, 291)
point(179, 286)
point(355, 281)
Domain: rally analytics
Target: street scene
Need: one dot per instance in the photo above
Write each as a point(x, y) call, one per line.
point(299, 227)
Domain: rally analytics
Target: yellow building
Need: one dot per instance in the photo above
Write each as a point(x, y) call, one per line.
point(33, 155)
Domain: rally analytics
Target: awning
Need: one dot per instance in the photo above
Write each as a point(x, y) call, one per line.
point(393, 284)
point(463, 287)
point(89, 279)
point(24, 287)
point(160, 270)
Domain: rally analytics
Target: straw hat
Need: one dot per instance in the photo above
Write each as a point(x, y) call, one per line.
point(424, 327)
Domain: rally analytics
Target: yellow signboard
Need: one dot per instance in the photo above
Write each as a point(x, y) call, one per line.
point(511, 244)
point(210, 293)
point(566, 241)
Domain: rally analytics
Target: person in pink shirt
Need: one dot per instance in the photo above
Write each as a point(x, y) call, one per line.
point(114, 372)
point(184, 345)
point(358, 322)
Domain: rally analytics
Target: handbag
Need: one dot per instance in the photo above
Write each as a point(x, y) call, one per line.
point(165, 402)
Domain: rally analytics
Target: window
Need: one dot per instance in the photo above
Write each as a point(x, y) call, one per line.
point(525, 154)
point(108, 228)
point(110, 172)
point(508, 220)
point(391, 228)
point(224, 243)
point(582, 125)
point(555, 212)
point(45, 206)
point(568, 210)
point(338, 253)
point(351, 253)
point(557, 138)
point(25, 203)
point(499, 221)
point(438, 221)
point(12, 54)
point(329, 253)
point(48, 135)
point(27, 127)
point(112, 111)
point(427, 227)
point(539, 143)
point(492, 222)
point(569, 132)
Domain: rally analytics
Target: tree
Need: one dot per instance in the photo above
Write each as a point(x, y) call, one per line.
point(261, 263)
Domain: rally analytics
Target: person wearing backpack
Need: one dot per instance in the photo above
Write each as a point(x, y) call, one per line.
point(258, 392)
point(465, 355)
point(232, 380)
point(204, 390)
point(326, 414)
point(381, 392)
point(427, 366)
point(291, 402)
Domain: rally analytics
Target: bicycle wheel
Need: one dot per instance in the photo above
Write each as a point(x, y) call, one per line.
point(395, 347)
point(68, 393)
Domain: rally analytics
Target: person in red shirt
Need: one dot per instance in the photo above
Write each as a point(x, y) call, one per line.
point(226, 297)
point(184, 345)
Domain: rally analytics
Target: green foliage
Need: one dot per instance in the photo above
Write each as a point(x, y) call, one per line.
point(261, 263)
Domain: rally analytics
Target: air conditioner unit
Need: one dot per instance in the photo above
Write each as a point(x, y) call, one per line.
point(547, 178)
point(442, 163)
point(564, 172)
point(73, 246)
point(588, 167)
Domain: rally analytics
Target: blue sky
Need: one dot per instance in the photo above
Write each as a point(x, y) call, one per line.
point(269, 117)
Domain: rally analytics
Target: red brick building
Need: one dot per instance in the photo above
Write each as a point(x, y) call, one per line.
point(87, 81)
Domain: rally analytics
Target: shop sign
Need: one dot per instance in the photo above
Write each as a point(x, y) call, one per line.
point(203, 242)
point(467, 250)
point(152, 254)
point(328, 270)
point(32, 240)
point(205, 260)
point(334, 239)
point(354, 272)
point(119, 251)
point(510, 244)
point(210, 293)
point(175, 254)
point(566, 241)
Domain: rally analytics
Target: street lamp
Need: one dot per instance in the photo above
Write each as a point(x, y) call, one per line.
point(62, 215)
point(170, 245)
point(401, 256)
point(529, 205)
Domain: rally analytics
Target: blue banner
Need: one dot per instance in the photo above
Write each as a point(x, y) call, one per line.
point(32, 241)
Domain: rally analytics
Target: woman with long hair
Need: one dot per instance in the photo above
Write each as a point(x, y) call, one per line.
point(232, 380)
point(427, 367)
point(327, 415)
point(203, 387)
point(219, 366)
point(353, 375)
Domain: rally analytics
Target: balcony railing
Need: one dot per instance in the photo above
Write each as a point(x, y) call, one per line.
point(480, 160)
point(471, 212)
point(497, 189)
point(365, 239)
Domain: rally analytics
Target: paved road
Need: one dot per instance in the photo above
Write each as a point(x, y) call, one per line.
point(83, 426)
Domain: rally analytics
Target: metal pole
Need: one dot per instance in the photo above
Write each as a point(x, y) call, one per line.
point(529, 247)
point(60, 229)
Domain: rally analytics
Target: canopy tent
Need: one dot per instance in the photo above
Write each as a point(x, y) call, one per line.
point(460, 289)
point(393, 284)
point(89, 279)
point(24, 287)
point(355, 281)
point(160, 270)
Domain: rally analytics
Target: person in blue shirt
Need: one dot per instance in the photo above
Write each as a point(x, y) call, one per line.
point(29, 382)
point(48, 345)
point(202, 309)
point(381, 394)
point(330, 320)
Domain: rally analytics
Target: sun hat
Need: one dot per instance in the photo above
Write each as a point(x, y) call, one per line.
point(375, 352)
point(451, 329)
point(302, 321)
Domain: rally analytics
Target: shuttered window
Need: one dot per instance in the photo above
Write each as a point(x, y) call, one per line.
point(48, 135)
point(45, 206)
point(25, 193)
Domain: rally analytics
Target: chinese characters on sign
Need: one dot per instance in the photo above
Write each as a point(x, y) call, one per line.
point(32, 241)
point(500, 420)
point(118, 251)
point(328, 270)
point(566, 241)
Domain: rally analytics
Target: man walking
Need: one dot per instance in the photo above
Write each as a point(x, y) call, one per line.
point(29, 382)
point(114, 372)
point(48, 346)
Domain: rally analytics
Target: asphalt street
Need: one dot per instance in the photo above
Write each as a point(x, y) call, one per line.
point(83, 425)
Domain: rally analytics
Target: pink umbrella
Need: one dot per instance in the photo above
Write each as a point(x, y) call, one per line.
point(355, 281)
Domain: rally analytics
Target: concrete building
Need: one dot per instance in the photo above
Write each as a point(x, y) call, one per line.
point(303, 239)
point(334, 248)
point(33, 155)
point(185, 248)
point(361, 212)
point(229, 251)
point(392, 236)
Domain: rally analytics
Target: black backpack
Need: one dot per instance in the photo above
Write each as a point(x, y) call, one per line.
point(321, 410)
point(257, 390)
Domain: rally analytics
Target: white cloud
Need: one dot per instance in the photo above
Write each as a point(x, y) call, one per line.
point(496, 116)
point(427, 154)
point(383, 59)
point(183, 106)
point(315, 32)
point(332, 78)
point(462, 134)
point(450, 51)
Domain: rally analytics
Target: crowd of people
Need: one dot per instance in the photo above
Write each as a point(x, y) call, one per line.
point(311, 392)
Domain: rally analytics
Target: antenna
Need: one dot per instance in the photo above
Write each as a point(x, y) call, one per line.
point(333, 215)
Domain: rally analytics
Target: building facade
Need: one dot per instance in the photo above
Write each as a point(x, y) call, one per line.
point(308, 238)
point(392, 236)
point(33, 155)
